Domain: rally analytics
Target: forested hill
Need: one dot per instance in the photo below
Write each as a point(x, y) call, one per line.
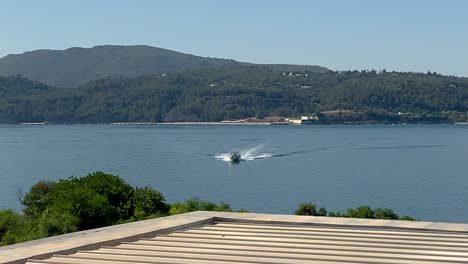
point(76, 66)
point(240, 92)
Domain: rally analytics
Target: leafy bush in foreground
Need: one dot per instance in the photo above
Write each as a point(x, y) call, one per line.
point(149, 203)
point(99, 199)
point(310, 209)
point(37, 200)
point(9, 220)
point(95, 200)
point(195, 204)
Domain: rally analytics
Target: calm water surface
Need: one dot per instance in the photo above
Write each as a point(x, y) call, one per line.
point(419, 170)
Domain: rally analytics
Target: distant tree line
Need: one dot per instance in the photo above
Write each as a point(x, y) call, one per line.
point(239, 92)
point(99, 199)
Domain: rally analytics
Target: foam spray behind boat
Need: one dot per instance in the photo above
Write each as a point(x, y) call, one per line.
point(245, 154)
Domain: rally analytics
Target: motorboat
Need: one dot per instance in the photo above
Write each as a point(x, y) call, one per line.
point(235, 157)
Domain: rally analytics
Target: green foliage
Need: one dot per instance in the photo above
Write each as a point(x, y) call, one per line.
point(236, 92)
point(407, 218)
point(149, 202)
point(196, 204)
point(358, 212)
point(92, 209)
point(99, 199)
point(385, 213)
point(336, 214)
point(95, 200)
point(37, 199)
point(361, 212)
point(322, 211)
point(377, 213)
point(16, 228)
point(54, 223)
point(8, 221)
point(310, 209)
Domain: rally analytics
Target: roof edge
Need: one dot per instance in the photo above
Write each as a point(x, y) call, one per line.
point(105, 236)
point(340, 222)
point(113, 235)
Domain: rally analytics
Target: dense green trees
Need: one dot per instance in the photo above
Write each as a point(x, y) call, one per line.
point(358, 212)
point(195, 204)
point(239, 92)
point(38, 198)
point(310, 209)
point(9, 220)
point(148, 203)
point(99, 199)
point(95, 200)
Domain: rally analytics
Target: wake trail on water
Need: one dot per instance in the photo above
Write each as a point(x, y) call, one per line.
point(258, 152)
point(253, 153)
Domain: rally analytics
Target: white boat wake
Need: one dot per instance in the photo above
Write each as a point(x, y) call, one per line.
point(254, 153)
point(258, 153)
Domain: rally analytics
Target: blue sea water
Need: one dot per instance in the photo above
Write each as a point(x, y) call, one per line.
point(418, 170)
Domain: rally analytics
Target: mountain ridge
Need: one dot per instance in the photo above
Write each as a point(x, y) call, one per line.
point(76, 66)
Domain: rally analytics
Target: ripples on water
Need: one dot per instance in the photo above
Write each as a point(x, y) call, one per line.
point(403, 147)
point(417, 170)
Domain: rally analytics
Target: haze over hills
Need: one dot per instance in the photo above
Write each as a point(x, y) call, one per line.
point(76, 66)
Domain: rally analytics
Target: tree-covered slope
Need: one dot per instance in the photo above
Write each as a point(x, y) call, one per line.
point(240, 92)
point(21, 99)
point(76, 66)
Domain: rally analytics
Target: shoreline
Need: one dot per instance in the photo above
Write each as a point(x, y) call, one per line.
point(216, 123)
point(226, 123)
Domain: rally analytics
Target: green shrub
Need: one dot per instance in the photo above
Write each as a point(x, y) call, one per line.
point(16, 228)
point(310, 209)
point(335, 214)
point(149, 202)
point(195, 204)
point(361, 212)
point(358, 212)
point(385, 213)
point(54, 223)
point(115, 191)
point(406, 218)
point(92, 210)
point(99, 199)
point(9, 220)
point(95, 200)
point(37, 199)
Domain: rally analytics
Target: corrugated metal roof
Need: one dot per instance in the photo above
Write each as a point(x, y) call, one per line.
point(254, 242)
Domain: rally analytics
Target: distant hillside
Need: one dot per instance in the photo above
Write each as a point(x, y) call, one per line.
point(76, 66)
point(237, 92)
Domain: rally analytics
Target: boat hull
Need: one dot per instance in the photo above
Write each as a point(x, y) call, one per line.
point(235, 157)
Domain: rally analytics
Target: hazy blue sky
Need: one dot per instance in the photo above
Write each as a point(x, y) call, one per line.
point(411, 35)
